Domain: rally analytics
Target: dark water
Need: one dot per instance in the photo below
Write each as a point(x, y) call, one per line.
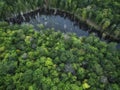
point(118, 46)
point(59, 23)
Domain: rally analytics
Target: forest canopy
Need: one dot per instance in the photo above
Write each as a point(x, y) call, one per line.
point(49, 60)
point(44, 59)
point(104, 13)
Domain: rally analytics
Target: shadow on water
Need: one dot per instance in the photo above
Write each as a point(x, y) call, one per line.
point(59, 24)
point(59, 20)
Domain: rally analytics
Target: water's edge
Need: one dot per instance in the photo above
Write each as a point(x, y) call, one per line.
point(82, 24)
point(83, 27)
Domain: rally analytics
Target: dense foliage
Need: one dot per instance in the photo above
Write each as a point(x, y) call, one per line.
point(105, 13)
point(49, 60)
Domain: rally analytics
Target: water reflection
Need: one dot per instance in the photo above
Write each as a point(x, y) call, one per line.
point(58, 23)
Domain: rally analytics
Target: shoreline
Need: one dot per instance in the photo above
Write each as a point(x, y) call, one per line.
point(86, 25)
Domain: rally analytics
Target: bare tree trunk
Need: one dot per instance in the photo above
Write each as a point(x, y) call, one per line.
point(46, 3)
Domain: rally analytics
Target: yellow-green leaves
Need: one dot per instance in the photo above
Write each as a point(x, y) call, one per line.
point(28, 39)
point(48, 62)
point(106, 24)
point(86, 85)
point(2, 49)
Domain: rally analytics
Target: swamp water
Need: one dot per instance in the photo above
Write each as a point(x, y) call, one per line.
point(58, 20)
point(58, 23)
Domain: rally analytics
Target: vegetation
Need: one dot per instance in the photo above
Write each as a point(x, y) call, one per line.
point(104, 13)
point(49, 60)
